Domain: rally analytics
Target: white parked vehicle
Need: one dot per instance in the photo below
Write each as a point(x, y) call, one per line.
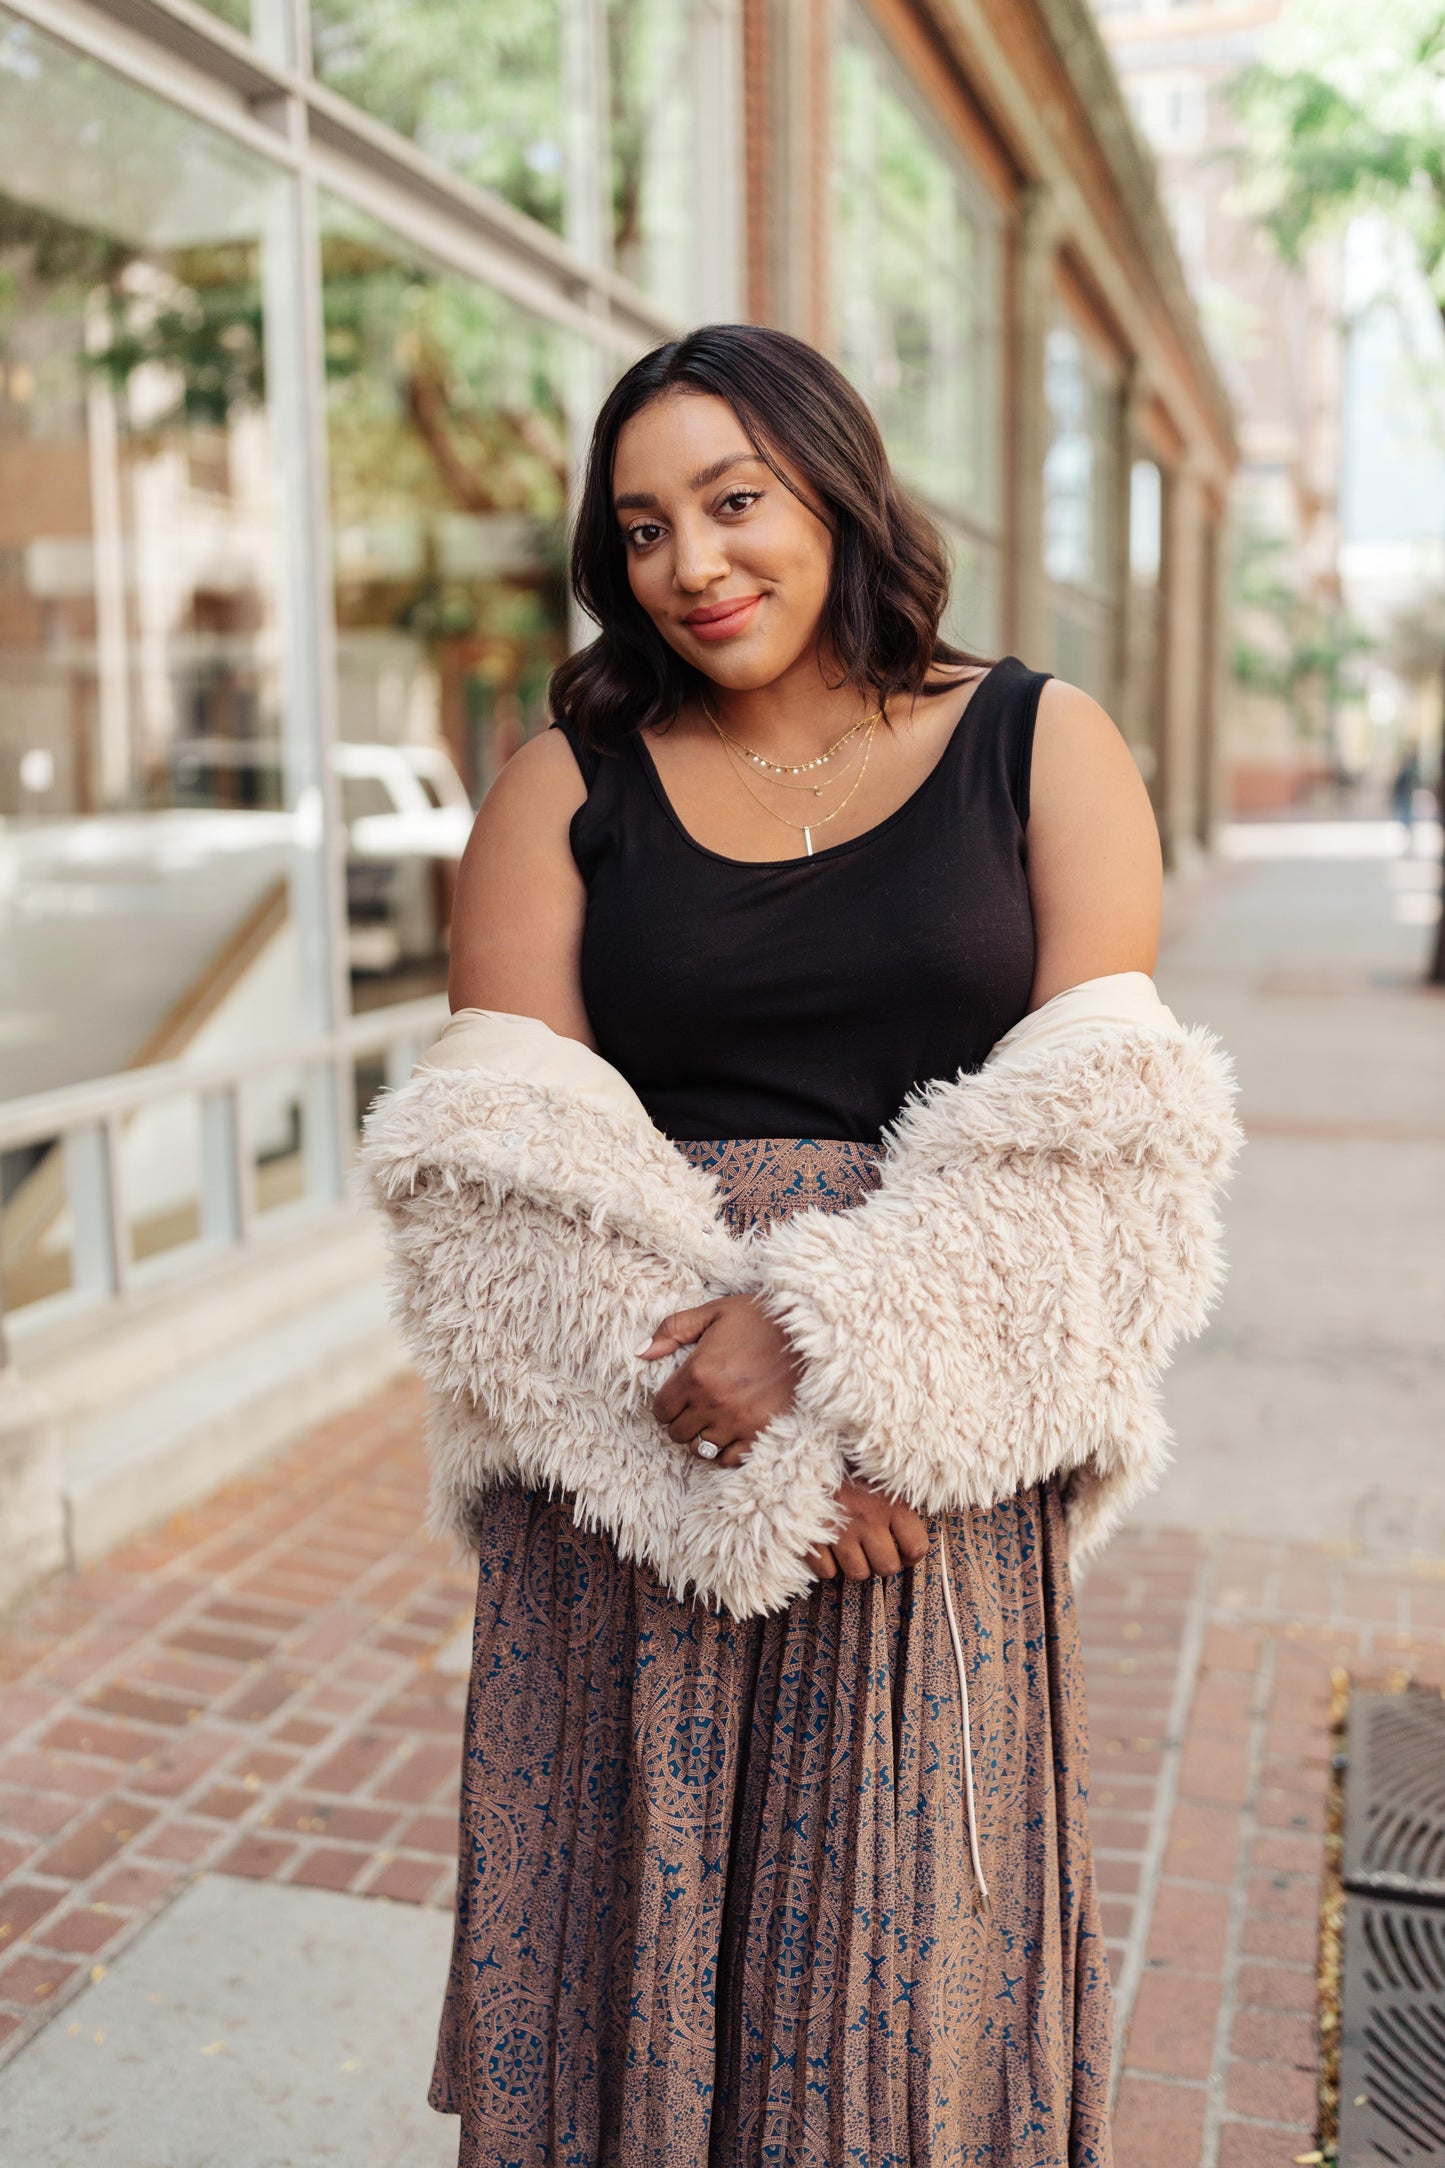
point(407, 818)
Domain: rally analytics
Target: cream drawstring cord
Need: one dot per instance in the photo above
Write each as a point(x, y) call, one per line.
point(980, 1884)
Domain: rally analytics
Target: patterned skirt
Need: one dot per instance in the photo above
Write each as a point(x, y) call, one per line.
point(716, 1907)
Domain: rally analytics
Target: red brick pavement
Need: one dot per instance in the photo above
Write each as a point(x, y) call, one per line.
point(1209, 1669)
point(250, 1690)
point(253, 1690)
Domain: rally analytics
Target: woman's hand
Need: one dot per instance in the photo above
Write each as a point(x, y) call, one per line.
point(882, 1536)
point(742, 1372)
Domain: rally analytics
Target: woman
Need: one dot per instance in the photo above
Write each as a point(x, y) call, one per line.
point(799, 1874)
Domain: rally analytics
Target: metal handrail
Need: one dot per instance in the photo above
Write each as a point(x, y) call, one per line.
point(85, 1126)
point(43, 1115)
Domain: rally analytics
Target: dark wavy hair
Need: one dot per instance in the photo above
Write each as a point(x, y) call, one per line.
point(890, 566)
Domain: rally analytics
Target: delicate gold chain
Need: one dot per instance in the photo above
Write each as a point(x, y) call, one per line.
point(829, 782)
point(804, 827)
point(783, 767)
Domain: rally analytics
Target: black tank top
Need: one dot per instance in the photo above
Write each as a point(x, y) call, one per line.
point(808, 997)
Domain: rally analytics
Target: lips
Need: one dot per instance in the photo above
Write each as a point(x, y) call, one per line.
point(721, 620)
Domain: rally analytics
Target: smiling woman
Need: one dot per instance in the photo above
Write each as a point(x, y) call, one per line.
point(837, 1182)
point(803, 475)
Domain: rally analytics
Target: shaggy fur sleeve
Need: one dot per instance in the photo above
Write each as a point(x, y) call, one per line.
point(1000, 1309)
point(536, 1243)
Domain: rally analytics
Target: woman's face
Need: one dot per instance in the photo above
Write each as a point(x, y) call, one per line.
point(729, 565)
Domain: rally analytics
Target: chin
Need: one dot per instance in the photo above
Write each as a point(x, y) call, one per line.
point(737, 674)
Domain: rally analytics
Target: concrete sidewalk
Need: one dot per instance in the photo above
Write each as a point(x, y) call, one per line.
point(1314, 1407)
point(228, 1757)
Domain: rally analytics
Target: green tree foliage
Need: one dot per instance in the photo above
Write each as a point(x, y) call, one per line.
point(1347, 115)
point(1287, 644)
point(478, 87)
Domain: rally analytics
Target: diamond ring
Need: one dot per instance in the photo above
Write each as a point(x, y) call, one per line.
point(706, 1450)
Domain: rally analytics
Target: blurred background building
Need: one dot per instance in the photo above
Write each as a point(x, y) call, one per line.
point(304, 312)
point(1337, 573)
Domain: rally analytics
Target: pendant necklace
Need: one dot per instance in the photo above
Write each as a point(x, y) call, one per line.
point(868, 723)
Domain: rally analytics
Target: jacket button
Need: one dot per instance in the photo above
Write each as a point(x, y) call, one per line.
point(510, 1140)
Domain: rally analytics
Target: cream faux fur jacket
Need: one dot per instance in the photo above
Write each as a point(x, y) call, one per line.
point(996, 1313)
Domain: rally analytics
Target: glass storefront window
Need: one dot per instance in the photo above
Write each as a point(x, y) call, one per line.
point(1080, 468)
point(450, 446)
point(235, 12)
point(1141, 717)
point(478, 88)
point(150, 836)
point(160, 828)
point(652, 138)
point(916, 300)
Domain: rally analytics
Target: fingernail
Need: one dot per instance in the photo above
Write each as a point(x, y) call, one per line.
point(644, 1349)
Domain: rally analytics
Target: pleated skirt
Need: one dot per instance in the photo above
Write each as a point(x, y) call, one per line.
point(716, 1903)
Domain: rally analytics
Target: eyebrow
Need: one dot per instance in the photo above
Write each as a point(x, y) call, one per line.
point(642, 501)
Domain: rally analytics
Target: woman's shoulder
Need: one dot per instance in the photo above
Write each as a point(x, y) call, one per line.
point(1073, 730)
point(540, 785)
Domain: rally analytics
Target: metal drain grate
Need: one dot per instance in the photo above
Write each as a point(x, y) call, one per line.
point(1395, 1797)
point(1392, 2061)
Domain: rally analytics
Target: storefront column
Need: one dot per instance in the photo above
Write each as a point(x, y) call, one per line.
point(802, 177)
point(718, 159)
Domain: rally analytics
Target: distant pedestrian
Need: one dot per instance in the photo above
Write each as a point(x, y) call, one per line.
point(1406, 783)
point(802, 1033)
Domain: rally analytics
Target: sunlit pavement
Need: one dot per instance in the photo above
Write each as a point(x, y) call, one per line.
point(1302, 1526)
point(1313, 1407)
point(241, 1734)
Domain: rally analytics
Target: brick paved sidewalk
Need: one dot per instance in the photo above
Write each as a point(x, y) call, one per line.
point(1210, 1668)
point(250, 1690)
point(255, 1690)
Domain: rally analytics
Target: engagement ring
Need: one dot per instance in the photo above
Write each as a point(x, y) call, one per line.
point(706, 1450)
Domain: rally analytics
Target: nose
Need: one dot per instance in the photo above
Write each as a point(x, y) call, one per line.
point(699, 560)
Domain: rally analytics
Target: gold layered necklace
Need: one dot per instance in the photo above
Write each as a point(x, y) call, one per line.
point(780, 768)
point(737, 753)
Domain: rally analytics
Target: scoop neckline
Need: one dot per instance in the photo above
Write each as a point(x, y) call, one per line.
point(830, 850)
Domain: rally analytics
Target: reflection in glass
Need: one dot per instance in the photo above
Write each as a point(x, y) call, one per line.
point(149, 840)
point(1080, 466)
point(274, 1117)
point(160, 1168)
point(478, 88)
point(235, 12)
point(916, 274)
point(448, 435)
point(35, 1232)
point(143, 897)
point(906, 280)
point(1142, 706)
point(653, 132)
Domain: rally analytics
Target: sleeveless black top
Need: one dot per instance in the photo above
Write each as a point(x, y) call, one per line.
point(808, 997)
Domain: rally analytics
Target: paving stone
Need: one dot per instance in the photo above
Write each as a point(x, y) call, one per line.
point(1254, 2145)
point(1157, 2125)
point(1171, 2032)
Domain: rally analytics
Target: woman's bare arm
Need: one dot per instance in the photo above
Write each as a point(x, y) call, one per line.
point(517, 918)
point(1095, 873)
